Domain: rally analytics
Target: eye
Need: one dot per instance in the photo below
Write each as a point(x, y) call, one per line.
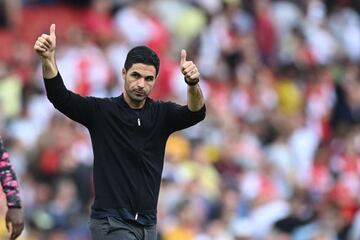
point(149, 79)
point(135, 75)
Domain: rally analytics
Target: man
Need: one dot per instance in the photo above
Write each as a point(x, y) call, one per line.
point(128, 134)
point(13, 219)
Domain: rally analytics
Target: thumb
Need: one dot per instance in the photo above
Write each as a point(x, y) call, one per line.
point(183, 56)
point(52, 30)
point(8, 226)
point(10, 231)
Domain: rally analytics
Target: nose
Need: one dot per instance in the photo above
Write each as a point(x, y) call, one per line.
point(141, 83)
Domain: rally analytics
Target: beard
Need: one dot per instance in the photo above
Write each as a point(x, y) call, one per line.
point(137, 96)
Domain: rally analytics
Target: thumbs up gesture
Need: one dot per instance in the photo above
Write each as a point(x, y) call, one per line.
point(189, 70)
point(46, 43)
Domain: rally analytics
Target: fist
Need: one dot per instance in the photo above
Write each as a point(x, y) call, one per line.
point(189, 69)
point(14, 222)
point(46, 43)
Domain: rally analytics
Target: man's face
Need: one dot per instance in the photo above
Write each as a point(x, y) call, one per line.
point(139, 81)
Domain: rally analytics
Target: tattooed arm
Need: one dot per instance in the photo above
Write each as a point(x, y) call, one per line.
point(14, 219)
point(8, 179)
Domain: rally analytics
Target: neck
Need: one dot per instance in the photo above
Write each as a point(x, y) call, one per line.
point(133, 104)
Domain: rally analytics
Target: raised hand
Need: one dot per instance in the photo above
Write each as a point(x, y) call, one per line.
point(189, 69)
point(46, 43)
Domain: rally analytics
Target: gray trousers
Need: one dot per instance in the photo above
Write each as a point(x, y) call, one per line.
point(112, 228)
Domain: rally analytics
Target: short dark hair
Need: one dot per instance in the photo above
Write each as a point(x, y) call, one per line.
point(144, 55)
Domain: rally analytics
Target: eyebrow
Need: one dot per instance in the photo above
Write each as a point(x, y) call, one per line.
point(146, 77)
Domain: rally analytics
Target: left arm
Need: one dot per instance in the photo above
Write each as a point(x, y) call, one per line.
point(8, 179)
point(14, 219)
point(179, 117)
point(195, 99)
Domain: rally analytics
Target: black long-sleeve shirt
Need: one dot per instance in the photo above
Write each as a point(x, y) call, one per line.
point(128, 146)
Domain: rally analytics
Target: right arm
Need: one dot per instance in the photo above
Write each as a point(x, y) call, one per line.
point(74, 106)
point(45, 47)
point(49, 67)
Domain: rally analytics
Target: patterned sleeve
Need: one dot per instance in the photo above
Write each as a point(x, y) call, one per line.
point(8, 179)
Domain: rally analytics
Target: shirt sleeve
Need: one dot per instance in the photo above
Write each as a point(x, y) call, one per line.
point(8, 179)
point(78, 108)
point(179, 117)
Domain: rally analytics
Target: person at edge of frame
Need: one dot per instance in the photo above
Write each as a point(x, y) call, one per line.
point(14, 217)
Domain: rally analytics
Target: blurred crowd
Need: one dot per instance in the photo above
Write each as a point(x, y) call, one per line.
point(278, 155)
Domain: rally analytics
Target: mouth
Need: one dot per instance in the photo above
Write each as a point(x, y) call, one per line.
point(139, 93)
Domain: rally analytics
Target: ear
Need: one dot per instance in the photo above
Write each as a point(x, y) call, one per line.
point(123, 73)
